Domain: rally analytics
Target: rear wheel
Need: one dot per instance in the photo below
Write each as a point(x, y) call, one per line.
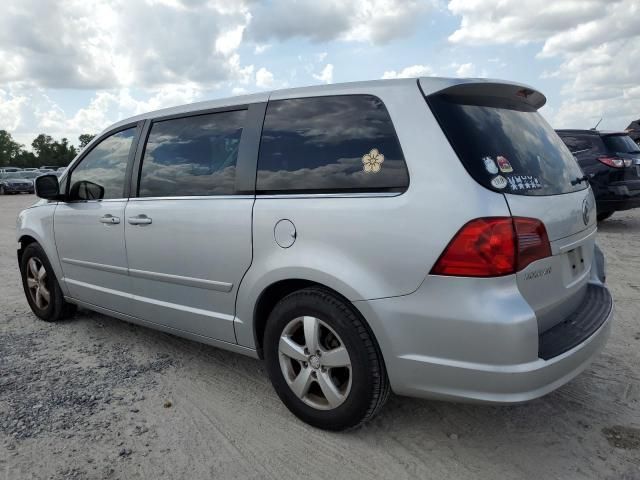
point(323, 361)
point(601, 216)
point(41, 286)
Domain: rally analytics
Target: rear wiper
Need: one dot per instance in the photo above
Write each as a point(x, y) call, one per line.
point(579, 180)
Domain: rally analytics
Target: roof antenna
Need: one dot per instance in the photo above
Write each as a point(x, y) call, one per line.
point(597, 124)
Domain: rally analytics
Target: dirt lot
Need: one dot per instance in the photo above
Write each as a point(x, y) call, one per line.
point(95, 397)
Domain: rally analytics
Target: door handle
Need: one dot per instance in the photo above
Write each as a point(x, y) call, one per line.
point(139, 220)
point(109, 219)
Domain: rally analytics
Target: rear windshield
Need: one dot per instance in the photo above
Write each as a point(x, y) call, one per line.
point(507, 148)
point(620, 144)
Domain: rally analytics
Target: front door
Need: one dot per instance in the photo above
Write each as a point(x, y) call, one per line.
point(89, 226)
point(188, 235)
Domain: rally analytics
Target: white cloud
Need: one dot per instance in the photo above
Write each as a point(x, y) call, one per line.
point(326, 76)
point(104, 45)
point(465, 70)
point(374, 21)
point(229, 41)
point(32, 111)
point(260, 48)
point(410, 72)
point(264, 78)
point(596, 41)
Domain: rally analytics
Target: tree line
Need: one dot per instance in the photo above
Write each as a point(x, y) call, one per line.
point(45, 151)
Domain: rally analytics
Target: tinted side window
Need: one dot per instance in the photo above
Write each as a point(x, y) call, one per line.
point(330, 144)
point(192, 156)
point(577, 144)
point(101, 173)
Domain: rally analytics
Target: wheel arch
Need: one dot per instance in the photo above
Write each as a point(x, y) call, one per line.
point(276, 291)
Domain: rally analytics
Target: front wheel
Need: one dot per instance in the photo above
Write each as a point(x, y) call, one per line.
point(323, 361)
point(41, 286)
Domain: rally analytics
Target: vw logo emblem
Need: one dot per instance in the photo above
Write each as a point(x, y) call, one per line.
point(586, 207)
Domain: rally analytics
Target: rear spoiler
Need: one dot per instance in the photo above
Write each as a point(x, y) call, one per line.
point(477, 91)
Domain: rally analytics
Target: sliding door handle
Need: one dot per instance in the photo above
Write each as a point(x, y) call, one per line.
point(109, 219)
point(139, 220)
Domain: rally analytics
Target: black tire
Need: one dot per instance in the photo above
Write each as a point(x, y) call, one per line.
point(57, 308)
point(369, 383)
point(2, 192)
point(602, 216)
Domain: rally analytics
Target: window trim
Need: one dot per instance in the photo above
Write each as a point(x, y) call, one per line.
point(328, 192)
point(247, 157)
point(125, 191)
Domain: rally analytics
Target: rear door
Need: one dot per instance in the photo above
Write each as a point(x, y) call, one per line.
point(188, 229)
point(507, 146)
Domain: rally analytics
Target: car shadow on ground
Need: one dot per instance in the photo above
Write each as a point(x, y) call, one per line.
point(591, 403)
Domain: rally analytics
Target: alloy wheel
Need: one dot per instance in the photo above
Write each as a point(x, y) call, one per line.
point(37, 283)
point(315, 363)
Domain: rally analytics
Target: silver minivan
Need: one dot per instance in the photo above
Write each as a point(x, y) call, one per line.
point(433, 237)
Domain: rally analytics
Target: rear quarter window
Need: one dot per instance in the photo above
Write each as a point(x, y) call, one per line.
point(507, 148)
point(329, 144)
point(620, 144)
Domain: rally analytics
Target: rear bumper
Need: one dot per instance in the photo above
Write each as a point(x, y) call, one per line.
point(621, 195)
point(623, 203)
point(484, 349)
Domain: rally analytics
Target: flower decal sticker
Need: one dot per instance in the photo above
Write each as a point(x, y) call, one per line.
point(372, 161)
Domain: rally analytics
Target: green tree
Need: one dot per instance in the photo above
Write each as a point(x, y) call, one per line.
point(84, 139)
point(43, 148)
point(51, 152)
point(9, 149)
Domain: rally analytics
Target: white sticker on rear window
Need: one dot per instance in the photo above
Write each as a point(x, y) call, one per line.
point(372, 161)
point(524, 182)
point(490, 165)
point(499, 182)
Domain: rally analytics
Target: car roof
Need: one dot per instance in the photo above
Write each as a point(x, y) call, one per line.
point(429, 86)
point(575, 131)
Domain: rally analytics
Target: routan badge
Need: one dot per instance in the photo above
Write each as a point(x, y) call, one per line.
point(499, 182)
point(503, 164)
point(490, 165)
point(372, 161)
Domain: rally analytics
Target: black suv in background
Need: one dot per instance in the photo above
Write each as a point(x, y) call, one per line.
point(611, 160)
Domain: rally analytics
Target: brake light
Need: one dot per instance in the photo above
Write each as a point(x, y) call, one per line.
point(615, 162)
point(494, 246)
point(533, 241)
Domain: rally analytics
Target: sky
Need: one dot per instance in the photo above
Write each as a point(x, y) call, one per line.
point(75, 66)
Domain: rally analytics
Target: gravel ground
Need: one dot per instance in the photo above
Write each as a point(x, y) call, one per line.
point(97, 398)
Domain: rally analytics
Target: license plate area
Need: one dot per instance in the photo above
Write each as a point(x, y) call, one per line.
point(576, 263)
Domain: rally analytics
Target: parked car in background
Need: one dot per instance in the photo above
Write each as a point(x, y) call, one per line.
point(49, 167)
point(358, 237)
point(611, 161)
point(10, 169)
point(30, 174)
point(30, 169)
point(14, 182)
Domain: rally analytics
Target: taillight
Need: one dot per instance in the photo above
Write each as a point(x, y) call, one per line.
point(615, 162)
point(494, 246)
point(533, 241)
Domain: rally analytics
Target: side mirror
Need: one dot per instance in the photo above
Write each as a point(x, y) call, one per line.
point(86, 190)
point(47, 187)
